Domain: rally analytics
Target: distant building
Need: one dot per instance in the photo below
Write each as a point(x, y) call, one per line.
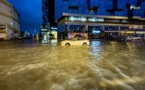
point(9, 21)
point(48, 18)
point(98, 17)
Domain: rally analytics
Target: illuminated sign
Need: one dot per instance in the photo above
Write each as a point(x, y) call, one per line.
point(134, 7)
point(140, 32)
point(137, 27)
point(96, 19)
point(43, 29)
point(72, 18)
point(96, 31)
point(131, 32)
point(54, 28)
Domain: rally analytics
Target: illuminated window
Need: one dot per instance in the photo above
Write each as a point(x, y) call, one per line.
point(134, 7)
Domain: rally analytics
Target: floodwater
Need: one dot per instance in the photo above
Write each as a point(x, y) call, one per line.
point(29, 65)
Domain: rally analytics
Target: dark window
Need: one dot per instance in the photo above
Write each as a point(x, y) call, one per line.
point(73, 9)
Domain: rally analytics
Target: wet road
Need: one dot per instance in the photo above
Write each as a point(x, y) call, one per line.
point(100, 66)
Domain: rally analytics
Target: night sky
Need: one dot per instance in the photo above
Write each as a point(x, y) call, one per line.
point(31, 14)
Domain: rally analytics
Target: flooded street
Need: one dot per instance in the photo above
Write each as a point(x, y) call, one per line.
point(100, 66)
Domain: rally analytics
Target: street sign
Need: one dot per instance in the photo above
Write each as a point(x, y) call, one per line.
point(44, 30)
point(2, 27)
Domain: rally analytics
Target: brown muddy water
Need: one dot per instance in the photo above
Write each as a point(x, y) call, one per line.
point(29, 65)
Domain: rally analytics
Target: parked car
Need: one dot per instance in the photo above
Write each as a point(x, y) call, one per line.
point(133, 38)
point(75, 41)
point(136, 38)
point(128, 38)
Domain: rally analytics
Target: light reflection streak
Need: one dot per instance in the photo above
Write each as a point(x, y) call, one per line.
point(123, 81)
point(96, 48)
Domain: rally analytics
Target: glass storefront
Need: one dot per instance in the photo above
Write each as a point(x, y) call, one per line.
point(99, 17)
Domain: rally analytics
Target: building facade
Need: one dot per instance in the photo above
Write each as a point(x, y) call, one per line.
point(9, 21)
point(101, 17)
point(48, 12)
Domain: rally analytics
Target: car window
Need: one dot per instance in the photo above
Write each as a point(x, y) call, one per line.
point(81, 38)
point(74, 39)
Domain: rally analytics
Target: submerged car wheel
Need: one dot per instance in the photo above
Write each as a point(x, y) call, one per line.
point(84, 44)
point(67, 44)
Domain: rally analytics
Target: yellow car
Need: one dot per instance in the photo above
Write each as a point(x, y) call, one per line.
point(75, 41)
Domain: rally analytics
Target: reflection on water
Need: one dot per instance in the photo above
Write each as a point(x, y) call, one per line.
point(31, 65)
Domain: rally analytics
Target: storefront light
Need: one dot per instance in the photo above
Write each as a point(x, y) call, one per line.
point(92, 19)
point(83, 19)
point(71, 18)
point(100, 19)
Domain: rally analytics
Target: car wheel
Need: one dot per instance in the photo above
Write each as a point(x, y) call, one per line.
point(67, 44)
point(84, 44)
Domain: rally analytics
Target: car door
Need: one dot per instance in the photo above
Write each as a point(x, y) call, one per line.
point(75, 42)
point(80, 41)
